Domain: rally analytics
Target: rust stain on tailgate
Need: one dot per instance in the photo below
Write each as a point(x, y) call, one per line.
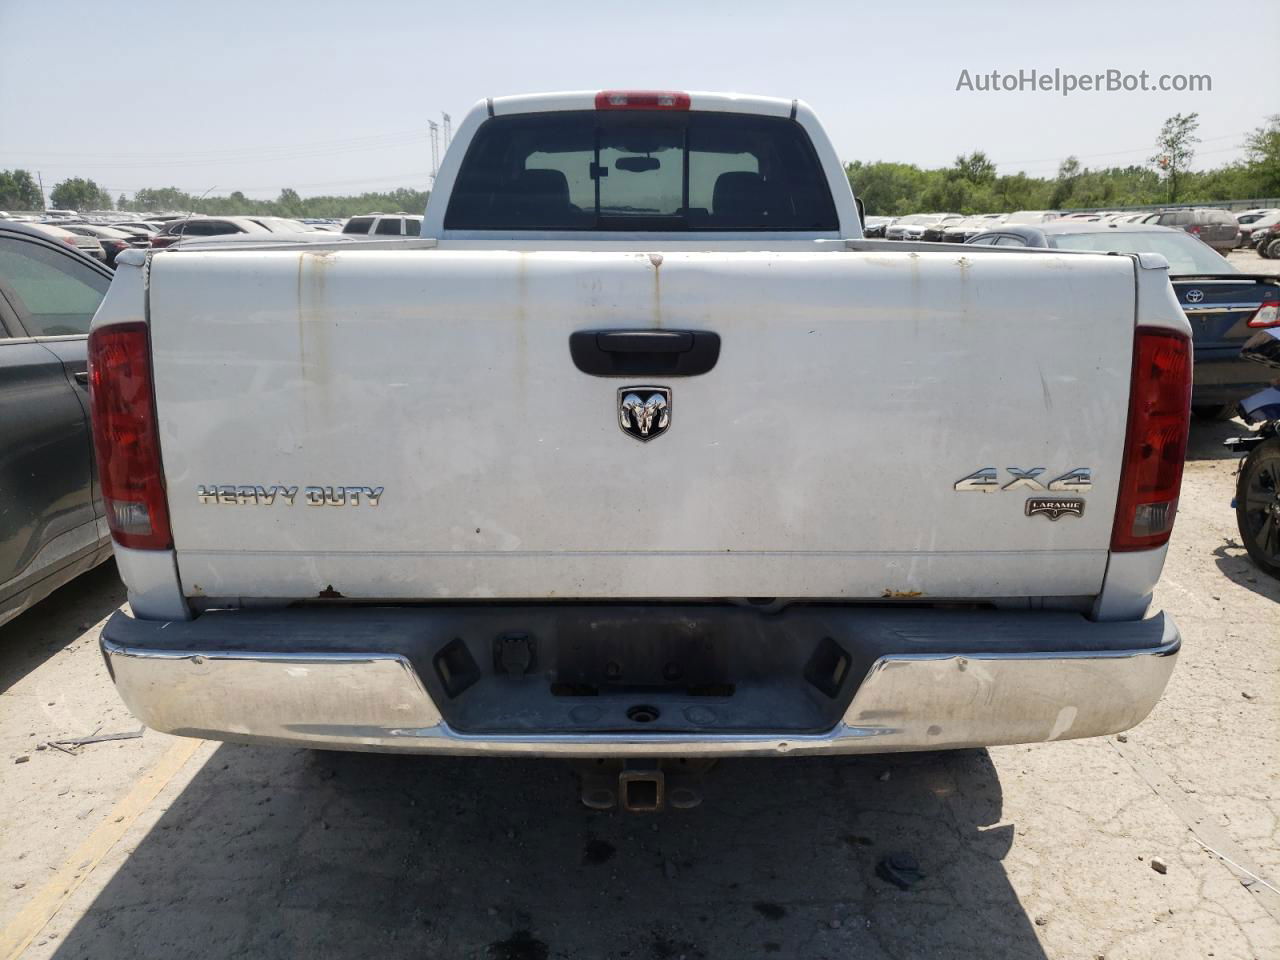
point(656, 260)
point(313, 331)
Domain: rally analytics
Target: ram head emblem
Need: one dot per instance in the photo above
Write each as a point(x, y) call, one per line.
point(644, 412)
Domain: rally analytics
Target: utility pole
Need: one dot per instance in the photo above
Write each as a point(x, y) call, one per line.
point(40, 180)
point(435, 148)
point(448, 130)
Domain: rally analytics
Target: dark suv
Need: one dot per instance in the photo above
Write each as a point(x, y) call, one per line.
point(1217, 228)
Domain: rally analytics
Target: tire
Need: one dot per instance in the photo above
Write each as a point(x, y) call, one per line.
point(1263, 250)
point(1271, 251)
point(1258, 506)
point(1214, 411)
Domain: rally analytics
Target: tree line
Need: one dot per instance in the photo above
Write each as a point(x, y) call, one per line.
point(970, 185)
point(18, 191)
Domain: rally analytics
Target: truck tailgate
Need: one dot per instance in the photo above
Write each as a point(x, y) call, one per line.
point(818, 458)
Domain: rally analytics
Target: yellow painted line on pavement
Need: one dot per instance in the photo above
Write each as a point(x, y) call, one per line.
point(18, 934)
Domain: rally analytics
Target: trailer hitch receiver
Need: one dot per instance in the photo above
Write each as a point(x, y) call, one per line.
point(642, 786)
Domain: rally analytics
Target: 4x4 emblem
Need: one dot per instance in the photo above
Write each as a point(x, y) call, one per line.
point(644, 412)
point(987, 480)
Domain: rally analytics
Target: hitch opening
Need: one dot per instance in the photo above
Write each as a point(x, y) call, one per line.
point(642, 791)
point(642, 786)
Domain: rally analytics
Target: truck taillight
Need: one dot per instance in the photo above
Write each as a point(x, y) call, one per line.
point(125, 438)
point(1155, 443)
point(1267, 315)
point(642, 100)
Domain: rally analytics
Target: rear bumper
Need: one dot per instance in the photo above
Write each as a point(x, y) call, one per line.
point(213, 680)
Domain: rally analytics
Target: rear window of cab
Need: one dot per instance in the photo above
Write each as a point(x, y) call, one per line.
point(641, 170)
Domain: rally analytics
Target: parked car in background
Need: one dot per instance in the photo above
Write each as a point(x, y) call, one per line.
point(1267, 242)
point(1225, 306)
point(874, 227)
point(1217, 228)
point(175, 230)
point(958, 231)
point(1257, 499)
point(385, 225)
point(113, 241)
point(143, 227)
point(913, 227)
point(283, 224)
point(52, 522)
point(1251, 233)
point(1246, 217)
point(1031, 216)
point(89, 246)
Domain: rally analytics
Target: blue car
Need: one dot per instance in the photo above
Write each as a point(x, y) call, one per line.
point(1225, 307)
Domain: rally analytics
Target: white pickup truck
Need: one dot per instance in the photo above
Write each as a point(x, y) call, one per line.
point(640, 451)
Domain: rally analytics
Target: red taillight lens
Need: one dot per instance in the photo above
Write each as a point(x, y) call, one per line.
point(1155, 443)
point(1193, 229)
point(642, 100)
point(1268, 315)
point(125, 437)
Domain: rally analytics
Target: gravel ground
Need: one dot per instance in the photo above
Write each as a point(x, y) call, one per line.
point(1249, 262)
point(160, 847)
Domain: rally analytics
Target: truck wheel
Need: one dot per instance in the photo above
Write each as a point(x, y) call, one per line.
point(1214, 411)
point(1258, 506)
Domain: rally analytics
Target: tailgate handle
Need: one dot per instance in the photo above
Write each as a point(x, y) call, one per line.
point(630, 353)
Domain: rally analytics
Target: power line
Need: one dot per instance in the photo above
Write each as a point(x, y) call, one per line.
point(1119, 153)
point(361, 142)
point(278, 156)
point(411, 180)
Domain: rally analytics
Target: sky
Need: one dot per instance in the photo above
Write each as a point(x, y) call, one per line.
point(335, 97)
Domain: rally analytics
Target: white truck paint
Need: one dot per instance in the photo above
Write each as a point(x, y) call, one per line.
point(750, 493)
point(815, 463)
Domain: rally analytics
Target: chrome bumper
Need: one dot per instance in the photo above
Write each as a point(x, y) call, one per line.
point(377, 701)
